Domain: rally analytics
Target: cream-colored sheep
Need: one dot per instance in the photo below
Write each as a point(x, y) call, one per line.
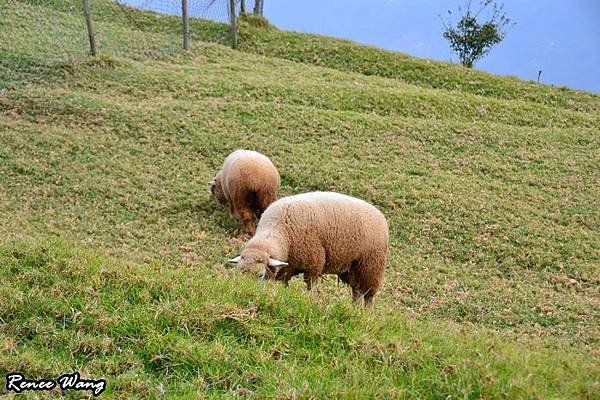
point(248, 182)
point(320, 233)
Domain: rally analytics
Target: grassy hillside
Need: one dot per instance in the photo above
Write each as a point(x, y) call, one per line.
point(152, 329)
point(113, 251)
point(259, 37)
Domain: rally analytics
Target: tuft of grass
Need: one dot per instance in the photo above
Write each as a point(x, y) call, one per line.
point(490, 194)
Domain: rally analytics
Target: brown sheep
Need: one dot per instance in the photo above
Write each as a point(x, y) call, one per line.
point(249, 183)
point(320, 233)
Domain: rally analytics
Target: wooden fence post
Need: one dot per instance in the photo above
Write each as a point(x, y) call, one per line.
point(186, 24)
point(90, 28)
point(232, 22)
point(257, 7)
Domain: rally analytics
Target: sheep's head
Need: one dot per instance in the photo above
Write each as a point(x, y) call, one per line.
point(257, 262)
point(217, 190)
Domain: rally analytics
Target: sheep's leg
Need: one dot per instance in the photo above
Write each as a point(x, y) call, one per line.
point(242, 207)
point(315, 263)
point(311, 280)
point(356, 296)
point(369, 299)
point(285, 274)
point(247, 217)
point(368, 273)
point(349, 279)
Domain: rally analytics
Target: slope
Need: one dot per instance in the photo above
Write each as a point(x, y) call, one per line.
point(490, 198)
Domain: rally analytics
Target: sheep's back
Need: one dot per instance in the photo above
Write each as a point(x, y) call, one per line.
point(345, 226)
point(248, 170)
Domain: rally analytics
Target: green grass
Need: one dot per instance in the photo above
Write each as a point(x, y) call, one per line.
point(113, 251)
point(197, 333)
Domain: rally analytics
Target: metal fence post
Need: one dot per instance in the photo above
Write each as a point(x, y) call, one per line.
point(232, 22)
point(186, 24)
point(90, 28)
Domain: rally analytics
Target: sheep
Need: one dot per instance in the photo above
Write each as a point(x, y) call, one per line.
point(320, 233)
point(249, 183)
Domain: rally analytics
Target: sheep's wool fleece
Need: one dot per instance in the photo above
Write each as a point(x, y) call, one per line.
point(249, 168)
point(240, 154)
point(328, 226)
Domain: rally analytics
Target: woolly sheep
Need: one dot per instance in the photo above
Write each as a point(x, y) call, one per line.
point(320, 233)
point(248, 182)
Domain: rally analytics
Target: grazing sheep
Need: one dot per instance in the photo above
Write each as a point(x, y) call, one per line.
point(320, 233)
point(248, 182)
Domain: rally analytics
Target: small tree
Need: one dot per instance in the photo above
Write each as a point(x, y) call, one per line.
point(471, 39)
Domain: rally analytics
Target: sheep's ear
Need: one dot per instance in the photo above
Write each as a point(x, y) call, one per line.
point(276, 263)
point(235, 260)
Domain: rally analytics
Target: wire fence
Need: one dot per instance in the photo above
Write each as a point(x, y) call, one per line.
point(213, 10)
point(201, 10)
point(203, 14)
point(51, 32)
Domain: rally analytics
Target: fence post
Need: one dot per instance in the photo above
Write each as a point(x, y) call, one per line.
point(257, 7)
point(232, 22)
point(186, 24)
point(90, 28)
point(242, 6)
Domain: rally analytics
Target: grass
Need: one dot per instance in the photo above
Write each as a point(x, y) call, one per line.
point(113, 250)
point(155, 330)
